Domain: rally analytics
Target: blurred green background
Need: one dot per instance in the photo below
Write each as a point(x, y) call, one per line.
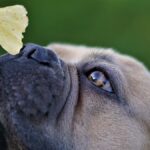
point(121, 24)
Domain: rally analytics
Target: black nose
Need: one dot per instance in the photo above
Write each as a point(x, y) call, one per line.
point(39, 54)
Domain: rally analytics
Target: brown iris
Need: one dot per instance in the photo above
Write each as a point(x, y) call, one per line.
point(99, 79)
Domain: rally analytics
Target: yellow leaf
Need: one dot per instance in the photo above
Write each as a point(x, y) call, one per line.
point(13, 22)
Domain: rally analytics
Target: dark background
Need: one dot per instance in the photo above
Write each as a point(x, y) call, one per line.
point(121, 24)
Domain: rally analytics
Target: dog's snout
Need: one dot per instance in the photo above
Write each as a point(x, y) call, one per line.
point(39, 54)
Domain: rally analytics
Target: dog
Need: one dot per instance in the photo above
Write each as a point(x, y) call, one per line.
point(67, 97)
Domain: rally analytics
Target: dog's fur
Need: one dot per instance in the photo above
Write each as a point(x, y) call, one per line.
point(91, 119)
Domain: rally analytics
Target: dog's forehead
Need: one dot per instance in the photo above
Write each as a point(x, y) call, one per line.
point(75, 54)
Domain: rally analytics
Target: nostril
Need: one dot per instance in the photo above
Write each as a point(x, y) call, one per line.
point(21, 50)
point(40, 55)
point(31, 53)
point(28, 49)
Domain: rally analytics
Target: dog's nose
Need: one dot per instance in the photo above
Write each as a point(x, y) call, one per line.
point(39, 54)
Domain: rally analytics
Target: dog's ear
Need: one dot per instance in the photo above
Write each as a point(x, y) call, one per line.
point(68, 53)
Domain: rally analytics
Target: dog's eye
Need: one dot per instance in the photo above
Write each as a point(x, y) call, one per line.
point(99, 79)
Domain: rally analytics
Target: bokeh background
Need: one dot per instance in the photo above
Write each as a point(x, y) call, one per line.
point(121, 24)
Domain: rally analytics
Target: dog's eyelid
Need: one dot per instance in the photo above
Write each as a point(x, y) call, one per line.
point(113, 73)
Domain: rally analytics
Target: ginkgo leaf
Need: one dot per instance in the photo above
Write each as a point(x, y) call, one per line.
point(13, 22)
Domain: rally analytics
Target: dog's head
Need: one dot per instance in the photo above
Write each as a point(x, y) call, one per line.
point(74, 98)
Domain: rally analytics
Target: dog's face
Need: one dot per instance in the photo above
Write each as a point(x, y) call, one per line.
point(74, 98)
